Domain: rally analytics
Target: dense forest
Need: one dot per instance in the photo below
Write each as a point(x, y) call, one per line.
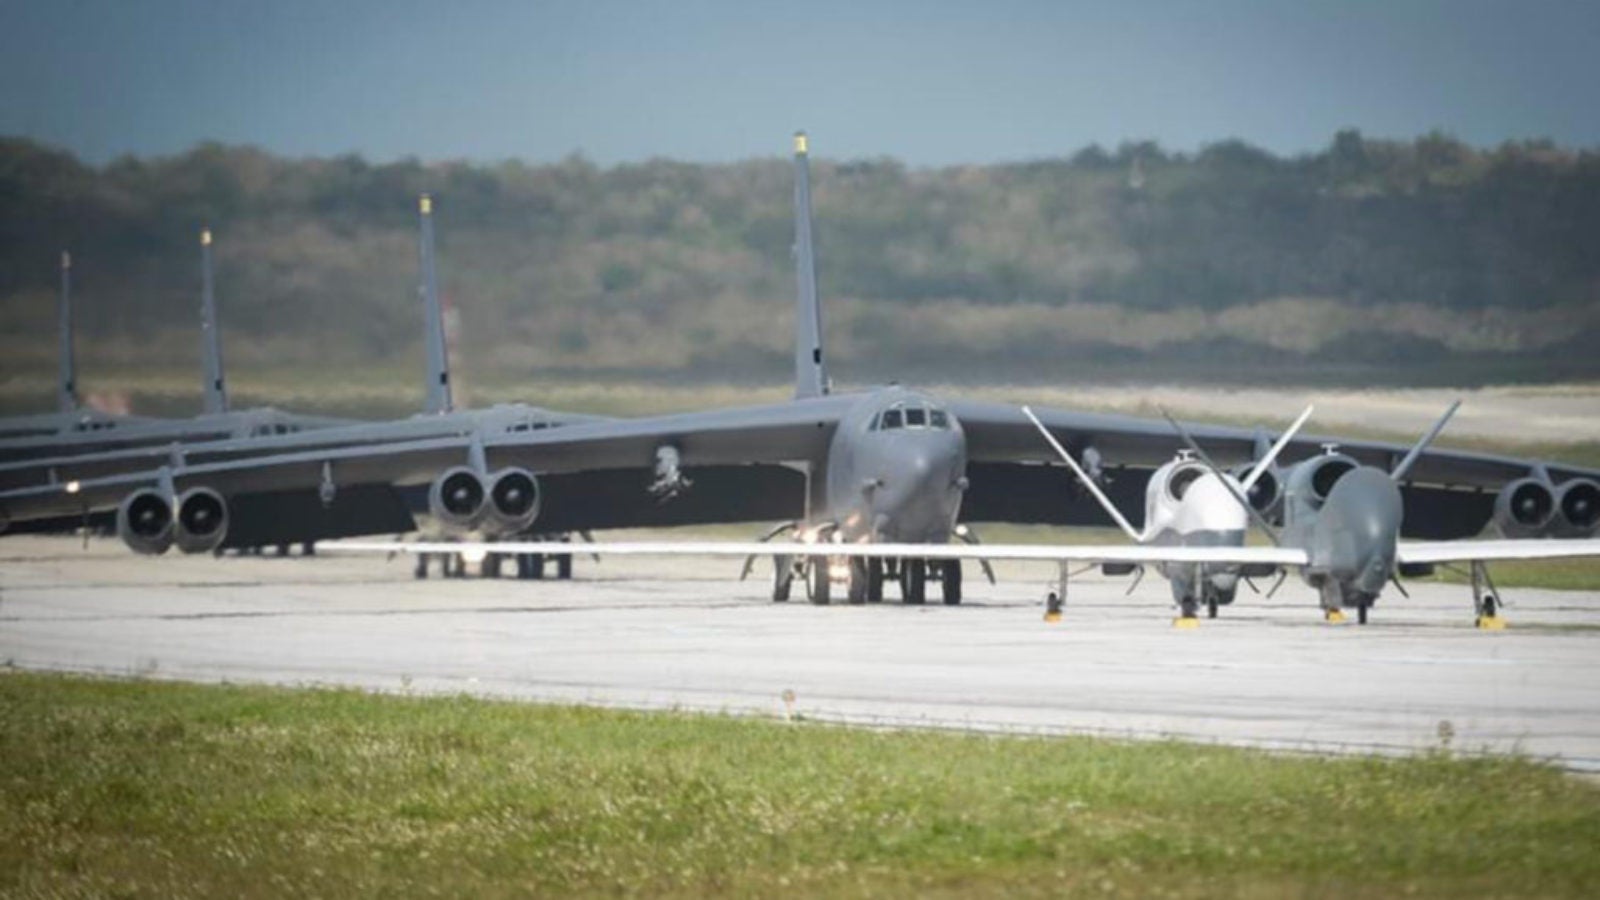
point(1378, 256)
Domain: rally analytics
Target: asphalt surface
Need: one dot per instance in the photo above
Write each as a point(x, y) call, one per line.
point(687, 634)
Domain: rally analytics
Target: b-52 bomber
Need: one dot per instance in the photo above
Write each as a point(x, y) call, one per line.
point(217, 421)
point(884, 466)
point(71, 416)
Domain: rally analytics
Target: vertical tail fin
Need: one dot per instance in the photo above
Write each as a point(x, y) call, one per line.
point(810, 375)
point(215, 392)
point(439, 399)
point(67, 390)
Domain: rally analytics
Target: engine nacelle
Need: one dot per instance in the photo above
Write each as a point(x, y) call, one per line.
point(202, 521)
point(1525, 508)
point(1577, 508)
point(458, 498)
point(1266, 495)
point(145, 521)
point(1309, 483)
point(513, 500)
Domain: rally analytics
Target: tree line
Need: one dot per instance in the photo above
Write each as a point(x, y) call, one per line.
point(1375, 251)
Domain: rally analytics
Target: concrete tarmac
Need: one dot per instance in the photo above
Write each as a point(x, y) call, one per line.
point(687, 634)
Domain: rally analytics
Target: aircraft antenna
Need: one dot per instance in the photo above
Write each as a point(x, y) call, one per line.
point(1227, 482)
point(811, 374)
point(68, 398)
point(1266, 461)
point(1411, 458)
point(1116, 515)
point(215, 392)
point(439, 399)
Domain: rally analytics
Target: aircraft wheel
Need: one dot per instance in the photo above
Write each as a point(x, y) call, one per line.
point(952, 582)
point(1362, 605)
point(820, 584)
point(420, 572)
point(913, 582)
point(858, 581)
point(1211, 604)
point(874, 581)
point(1189, 608)
point(535, 565)
point(308, 548)
point(782, 578)
point(564, 567)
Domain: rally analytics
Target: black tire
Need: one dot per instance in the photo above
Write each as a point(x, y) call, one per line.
point(1489, 608)
point(1189, 608)
point(1211, 605)
point(913, 582)
point(782, 579)
point(952, 582)
point(564, 567)
point(820, 584)
point(420, 571)
point(308, 548)
point(535, 565)
point(874, 581)
point(1362, 606)
point(859, 579)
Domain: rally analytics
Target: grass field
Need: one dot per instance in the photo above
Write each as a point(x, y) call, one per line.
point(139, 789)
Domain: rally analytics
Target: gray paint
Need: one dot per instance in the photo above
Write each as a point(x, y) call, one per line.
point(810, 372)
point(67, 385)
point(213, 392)
point(439, 398)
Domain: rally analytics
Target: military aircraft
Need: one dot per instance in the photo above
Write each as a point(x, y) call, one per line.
point(887, 465)
point(216, 421)
point(71, 415)
point(1188, 504)
point(49, 488)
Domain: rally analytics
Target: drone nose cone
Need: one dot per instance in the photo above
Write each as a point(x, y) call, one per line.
point(1358, 529)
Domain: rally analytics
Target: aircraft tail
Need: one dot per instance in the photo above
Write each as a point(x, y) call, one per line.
point(215, 392)
point(67, 396)
point(811, 375)
point(439, 399)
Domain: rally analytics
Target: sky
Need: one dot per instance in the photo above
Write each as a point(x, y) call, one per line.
point(930, 82)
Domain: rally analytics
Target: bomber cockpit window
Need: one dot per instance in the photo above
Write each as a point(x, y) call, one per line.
point(893, 418)
point(938, 418)
point(916, 417)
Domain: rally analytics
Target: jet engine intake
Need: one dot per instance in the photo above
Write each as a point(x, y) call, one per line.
point(458, 498)
point(513, 499)
point(1577, 508)
point(145, 521)
point(1311, 481)
point(1525, 508)
point(202, 520)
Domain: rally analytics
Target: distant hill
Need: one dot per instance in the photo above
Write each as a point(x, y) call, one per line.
point(1420, 260)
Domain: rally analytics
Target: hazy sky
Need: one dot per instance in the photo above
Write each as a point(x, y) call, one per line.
point(929, 82)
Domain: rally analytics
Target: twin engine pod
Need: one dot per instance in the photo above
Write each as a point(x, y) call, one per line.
point(507, 500)
point(1533, 507)
point(149, 521)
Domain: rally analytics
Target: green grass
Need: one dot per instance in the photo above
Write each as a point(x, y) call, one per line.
point(136, 789)
point(1555, 574)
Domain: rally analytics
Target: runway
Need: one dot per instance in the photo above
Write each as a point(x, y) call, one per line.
point(687, 634)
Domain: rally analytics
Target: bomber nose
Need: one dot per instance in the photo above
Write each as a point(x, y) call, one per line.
point(920, 492)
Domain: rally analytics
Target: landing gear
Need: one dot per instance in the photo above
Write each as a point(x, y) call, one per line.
point(859, 581)
point(1189, 608)
point(1332, 601)
point(564, 566)
point(420, 572)
point(1363, 603)
point(821, 584)
point(1211, 603)
point(874, 581)
point(913, 582)
point(782, 578)
point(951, 582)
point(1486, 599)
